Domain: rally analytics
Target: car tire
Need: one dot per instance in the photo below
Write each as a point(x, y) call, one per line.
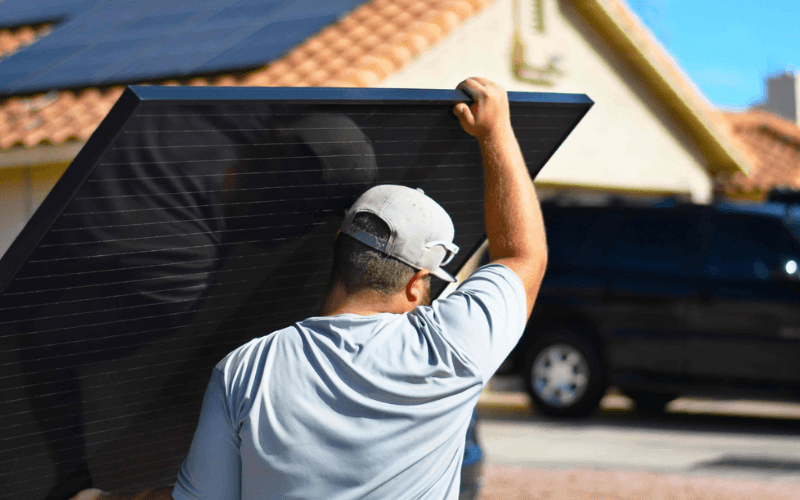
point(650, 403)
point(563, 374)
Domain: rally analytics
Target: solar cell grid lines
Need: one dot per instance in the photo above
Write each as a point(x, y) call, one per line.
point(194, 220)
point(101, 42)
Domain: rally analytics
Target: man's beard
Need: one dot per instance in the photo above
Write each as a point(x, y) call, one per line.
point(427, 300)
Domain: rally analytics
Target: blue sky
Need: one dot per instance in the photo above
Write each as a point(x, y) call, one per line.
point(727, 47)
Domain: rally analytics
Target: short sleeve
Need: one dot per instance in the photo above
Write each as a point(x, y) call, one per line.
point(485, 317)
point(212, 469)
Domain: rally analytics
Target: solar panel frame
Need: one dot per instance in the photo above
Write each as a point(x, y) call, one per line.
point(383, 112)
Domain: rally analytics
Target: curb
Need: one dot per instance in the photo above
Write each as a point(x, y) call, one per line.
point(504, 403)
point(519, 403)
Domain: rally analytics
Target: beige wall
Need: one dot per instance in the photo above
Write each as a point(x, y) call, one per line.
point(13, 210)
point(625, 141)
point(22, 190)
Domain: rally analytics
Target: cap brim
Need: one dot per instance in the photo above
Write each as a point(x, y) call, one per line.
point(443, 275)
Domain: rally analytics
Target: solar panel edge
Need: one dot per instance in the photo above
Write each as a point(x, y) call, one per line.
point(65, 188)
point(563, 138)
point(321, 95)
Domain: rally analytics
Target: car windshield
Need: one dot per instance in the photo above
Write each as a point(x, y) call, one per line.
point(795, 227)
point(794, 221)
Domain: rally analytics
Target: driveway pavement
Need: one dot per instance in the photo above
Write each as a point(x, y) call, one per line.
point(742, 440)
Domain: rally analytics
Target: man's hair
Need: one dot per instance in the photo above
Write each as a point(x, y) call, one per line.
point(357, 266)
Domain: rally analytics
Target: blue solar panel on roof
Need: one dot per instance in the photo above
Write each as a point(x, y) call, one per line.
point(101, 42)
point(15, 13)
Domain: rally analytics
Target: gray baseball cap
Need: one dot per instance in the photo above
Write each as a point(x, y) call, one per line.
point(420, 230)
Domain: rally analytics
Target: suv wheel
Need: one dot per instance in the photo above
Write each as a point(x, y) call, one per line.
point(563, 374)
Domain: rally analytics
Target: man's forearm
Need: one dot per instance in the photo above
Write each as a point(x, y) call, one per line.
point(514, 222)
point(513, 217)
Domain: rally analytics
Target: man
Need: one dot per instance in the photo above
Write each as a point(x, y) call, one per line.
point(372, 398)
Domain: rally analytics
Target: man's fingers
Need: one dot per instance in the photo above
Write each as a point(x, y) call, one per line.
point(472, 88)
point(483, 81)
point(89, 494)
point(464, 114)
point(465, 88)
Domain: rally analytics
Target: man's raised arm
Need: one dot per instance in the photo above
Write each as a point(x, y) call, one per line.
point(514, 222)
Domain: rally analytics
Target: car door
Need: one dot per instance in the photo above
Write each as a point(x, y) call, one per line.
point(747, 321)
point(652, 271)
point(576, 236)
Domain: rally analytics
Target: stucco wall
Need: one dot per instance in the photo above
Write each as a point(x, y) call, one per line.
point(13, 213)
point(625, 141)
point(22, 190)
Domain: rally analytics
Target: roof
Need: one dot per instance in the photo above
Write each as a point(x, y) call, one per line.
point(360, 50)
point(773, 145)
point(372, 42)
point(13, 40)
point(686, 104)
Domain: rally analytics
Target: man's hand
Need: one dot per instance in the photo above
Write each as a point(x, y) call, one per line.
point(488, 116)
point(89, 494)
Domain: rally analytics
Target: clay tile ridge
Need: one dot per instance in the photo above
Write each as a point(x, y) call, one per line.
point(773, 144)
point(363, 48)
point(781, 128)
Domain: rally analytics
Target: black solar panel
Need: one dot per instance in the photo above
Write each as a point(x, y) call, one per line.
point(100, 42)
point(193, 220)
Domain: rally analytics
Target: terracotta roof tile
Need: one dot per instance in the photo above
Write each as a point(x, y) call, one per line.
point(13, 40)
point(773, 146)
point(361, 50)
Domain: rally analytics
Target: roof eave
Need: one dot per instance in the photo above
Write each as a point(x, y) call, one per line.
point(638, 48)
point(40, 155)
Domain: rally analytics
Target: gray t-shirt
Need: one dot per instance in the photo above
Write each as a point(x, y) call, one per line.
point(355, 407)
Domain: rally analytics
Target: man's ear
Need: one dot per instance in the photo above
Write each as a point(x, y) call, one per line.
point(415, 289)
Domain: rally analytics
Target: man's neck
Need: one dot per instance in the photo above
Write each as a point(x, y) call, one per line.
point(363, 303)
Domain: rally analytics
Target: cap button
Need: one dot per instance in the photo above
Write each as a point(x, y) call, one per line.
point(420, 190)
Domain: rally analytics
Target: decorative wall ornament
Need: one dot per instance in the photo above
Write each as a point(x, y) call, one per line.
point(529, 61)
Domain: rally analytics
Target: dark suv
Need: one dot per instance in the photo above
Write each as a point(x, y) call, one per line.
point(662, 300)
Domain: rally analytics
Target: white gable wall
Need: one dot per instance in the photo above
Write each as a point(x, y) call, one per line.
point(625, 141)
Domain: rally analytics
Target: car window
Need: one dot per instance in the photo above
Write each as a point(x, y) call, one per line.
point(794, 221)
point(747, 247)
point(663, 242)
point(795, 228)
point(576, 236)
point(567, 231)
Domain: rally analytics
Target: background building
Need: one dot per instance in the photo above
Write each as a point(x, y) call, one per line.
point(783, 96)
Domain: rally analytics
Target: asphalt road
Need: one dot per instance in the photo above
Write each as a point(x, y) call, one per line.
point(731, 439)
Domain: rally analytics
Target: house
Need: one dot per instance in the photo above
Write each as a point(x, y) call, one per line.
point(651, 131)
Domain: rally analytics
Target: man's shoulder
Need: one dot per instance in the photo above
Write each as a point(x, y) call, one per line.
point(250, 352)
